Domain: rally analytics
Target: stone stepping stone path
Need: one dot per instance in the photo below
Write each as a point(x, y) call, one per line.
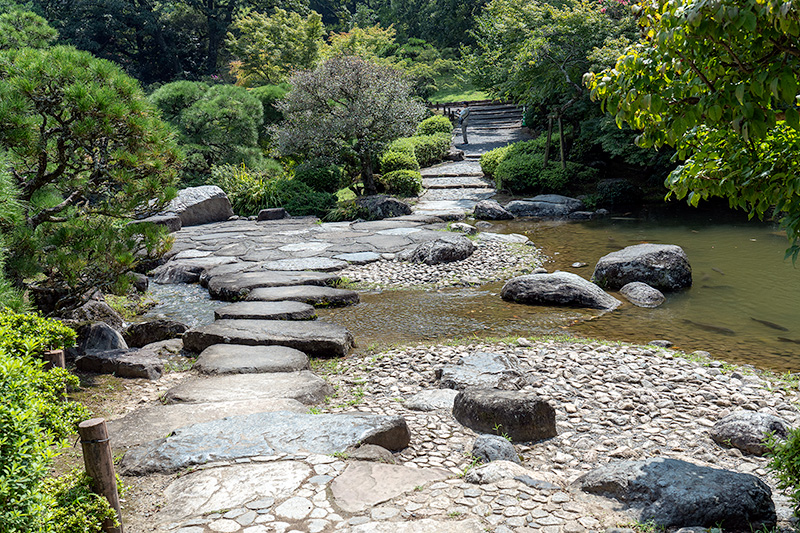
point(304, 386)
point(315, 338)
point(238, 359)
point(308, 294)
point(236, 286)
point(271, 310)
point(265, 434)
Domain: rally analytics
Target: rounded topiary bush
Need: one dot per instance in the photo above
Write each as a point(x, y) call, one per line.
point(402, 182)
point(491, 159)
point(391, 161)
point(430, 149)
point(435, 124)
point(319, 176)
point(403, 144)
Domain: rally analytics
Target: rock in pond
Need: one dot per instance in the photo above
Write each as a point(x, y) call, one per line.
point(482, 369)
point(144, 333)
point(662, 266)
point(445, 249)
point(236, 286)
point(316, 338)
point(522, 416)
point(237, 359)
point(309, 294)
point(545, 206)
point(748, 430)
point(303, 386)
point(124, 363)
point(201, 205)
point(642, 295)
point(674, 493)
point(490, 448)
point(558, 288)
point(264, 434)
point(277, 310)
point(491, 210)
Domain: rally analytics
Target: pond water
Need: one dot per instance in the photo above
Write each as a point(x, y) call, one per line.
point(742, 308)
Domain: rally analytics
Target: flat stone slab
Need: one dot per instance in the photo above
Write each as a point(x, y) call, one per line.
point(264, 434)
point(426, 525)
point(125, 363)
point(309, 294)
point(229, 487)
point(155, 422)
point(276, 310)
point(365, 484)
point(236, 286)
point(359, 258)
point(432, 400)
point(321, 264)
point(303, 386)
point(316, 338)
point(238, 359)
point(481, 369)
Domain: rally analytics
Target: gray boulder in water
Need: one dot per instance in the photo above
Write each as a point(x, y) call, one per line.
point(642, 294)
point(662, 266)
point(558, 288)
point(445, 249)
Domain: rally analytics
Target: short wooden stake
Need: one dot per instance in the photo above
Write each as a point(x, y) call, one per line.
point(54, 358)
point(99, 463)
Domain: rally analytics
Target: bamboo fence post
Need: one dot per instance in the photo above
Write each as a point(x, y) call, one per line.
point(99, 463)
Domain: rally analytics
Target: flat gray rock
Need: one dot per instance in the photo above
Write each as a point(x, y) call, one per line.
point(558, 288)
point(432, 400)
point(748, 431)
point(277, 310)
point(321, 264)
point(482, 369)
point(545, 206)
point(642, 295)
point(201, 205)
point(236, 286)
point(519, 415)
point(125, 363)
point(303, 386)
point(155, 422)
point(359, 258)
point(314, 337)
point(309, 294)
point(237, 359)
point(264, 434)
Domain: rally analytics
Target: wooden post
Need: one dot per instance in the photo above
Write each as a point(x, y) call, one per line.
point(561, 143)
point(54, 358)
point(99, 463)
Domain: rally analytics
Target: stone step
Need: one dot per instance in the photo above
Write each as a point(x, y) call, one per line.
point(275, 310)
point(240, 359)
point(236, 286)
point(308, 294)
point(265, 434)
point(459, 182)
point(304, 386)
point(316, 338)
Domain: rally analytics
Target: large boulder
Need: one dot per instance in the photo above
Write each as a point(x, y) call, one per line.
point(674, 494)
point(201, 205)
point(558, 288)
point(96, 310)
point(642, 295)
point(445, 249)
point(521, 416)
point(380, 206)
point(747, 431)
point(545, 206)
point(662, 266)
point(144, 333)
point(124, 363)
point(491, 210)
point(100, 337)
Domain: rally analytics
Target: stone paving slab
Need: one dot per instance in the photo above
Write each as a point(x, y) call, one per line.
point(358, 258)
point(304, 386)
point(320, 264)
point(275, 310)
point(453, 168)
point(364, 484)
point(236, 359)
point(270, 434)
point(308, 294)
point(426, 525)
point(236, 286)
point(154, 422)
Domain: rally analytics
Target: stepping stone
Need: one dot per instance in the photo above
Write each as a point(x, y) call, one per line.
point(316, 338)
point(230, 487)
point(236, 359)
point(265, 434)
point(237, 286)
point(155, 422)
point(124, 363)
point(520, 415)
point(276, 310)
point(304, 386)
point(310, 294)
point(426, 525)
point(432, 400)
point(321, 264)
point(359, 258)
point(364, 485)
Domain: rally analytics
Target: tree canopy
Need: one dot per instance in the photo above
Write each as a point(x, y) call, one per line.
point(718, 80)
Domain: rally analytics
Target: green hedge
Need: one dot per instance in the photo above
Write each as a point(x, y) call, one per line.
point(402, 182)
point(430, 149)
point(403, 144)
point(320, 176)
point(391, 161)
point(435, 124)
point(491, 159)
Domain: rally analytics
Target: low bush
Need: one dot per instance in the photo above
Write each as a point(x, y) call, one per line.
point(785, 464)
point(402, 182)
point(74, 508)
point(300, 200)
point(347, 210)
point(491, 159)
point(403, 144)
point(30, 333)
point(430, 149)
point(249, 191)
point(320, 176)
point(391, 161)
point(435, 124)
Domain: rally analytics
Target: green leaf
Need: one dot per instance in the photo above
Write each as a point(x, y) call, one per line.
point(715, 112)
point(740, 93)
point(793, 119)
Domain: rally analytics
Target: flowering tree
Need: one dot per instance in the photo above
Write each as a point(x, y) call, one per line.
point(347, 109)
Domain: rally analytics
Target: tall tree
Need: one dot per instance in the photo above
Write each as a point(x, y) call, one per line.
point(347, 108)
point(719, 82)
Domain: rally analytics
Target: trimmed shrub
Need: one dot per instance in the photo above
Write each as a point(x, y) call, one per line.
point(32, 333)
point(75, 508)
point(430, 149)
point(526, 173)
point(402, 182)
point(319, 176)
point(435, 124)
point(491, 159)
point(268, 95)
point(403, 144)
point(391, 161)
point(300, 200)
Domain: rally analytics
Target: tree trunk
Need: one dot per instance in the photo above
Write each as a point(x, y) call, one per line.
point(367, 177)
point(561, 143)
point(549, 140)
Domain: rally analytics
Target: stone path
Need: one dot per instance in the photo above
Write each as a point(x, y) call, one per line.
point(453, 188)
